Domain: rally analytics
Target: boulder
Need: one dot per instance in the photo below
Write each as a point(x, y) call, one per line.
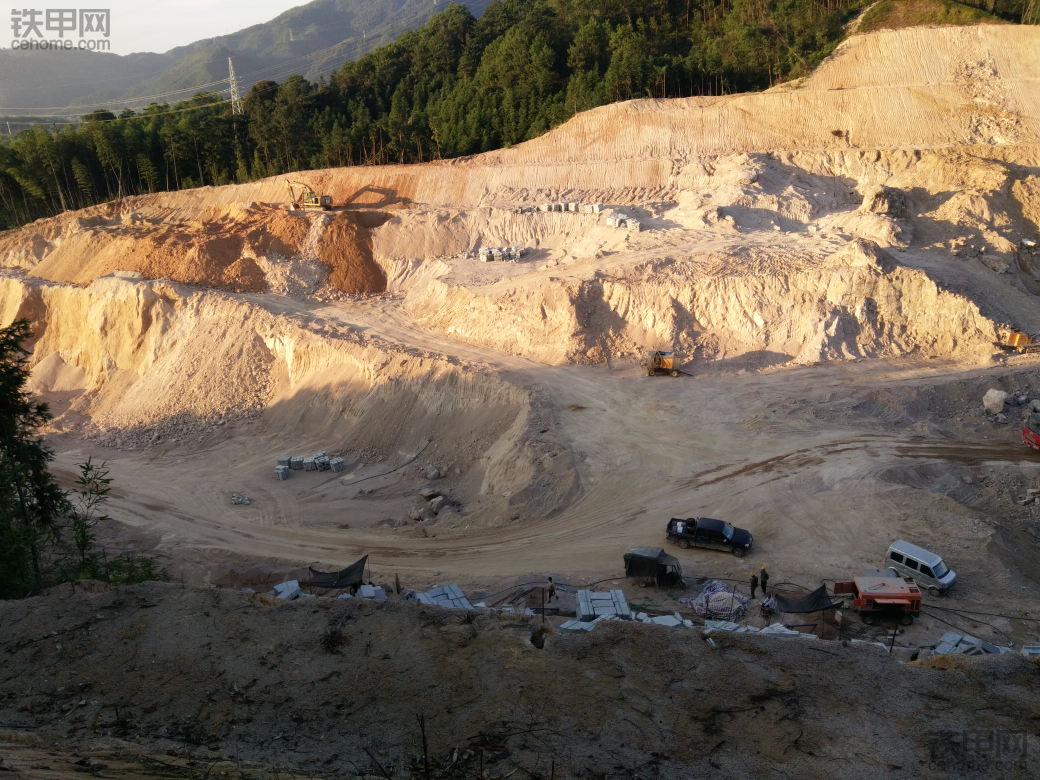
point(994, 400)
point(886, 200)
point(436, 504)
point(415, 512)
point(863, 253)
point(429, 493)
point(432, 472)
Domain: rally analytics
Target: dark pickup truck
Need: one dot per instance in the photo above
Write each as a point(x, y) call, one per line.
point(706, 532)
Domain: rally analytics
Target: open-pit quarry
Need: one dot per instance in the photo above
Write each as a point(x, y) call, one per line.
point(836, 260)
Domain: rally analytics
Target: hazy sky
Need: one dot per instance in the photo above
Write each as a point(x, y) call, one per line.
point(159, 25)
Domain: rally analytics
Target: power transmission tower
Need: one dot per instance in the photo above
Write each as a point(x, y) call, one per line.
point(236, 99)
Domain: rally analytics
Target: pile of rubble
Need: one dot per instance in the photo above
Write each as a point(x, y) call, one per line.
point(997, 403)
point(508, 254)
point(449, 597)
point(367, 592)
point(674, 620)
point(239, 499)
point(953, 643)
point(591, 605)
point(624, 222)
point(776, 629)
point(290, 590)
point(434, 502)
point(319, 461)
point(573, 208)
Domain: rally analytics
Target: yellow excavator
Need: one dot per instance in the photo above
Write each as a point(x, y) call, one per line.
point(1017, 341)
point(303, 198)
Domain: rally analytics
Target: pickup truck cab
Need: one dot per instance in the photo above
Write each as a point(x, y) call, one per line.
point(710, 533)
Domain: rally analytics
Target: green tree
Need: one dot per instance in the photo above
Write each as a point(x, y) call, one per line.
point(32, 506)
point(44, 537)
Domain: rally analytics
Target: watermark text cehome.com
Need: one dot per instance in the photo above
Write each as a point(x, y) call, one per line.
point(34, 28)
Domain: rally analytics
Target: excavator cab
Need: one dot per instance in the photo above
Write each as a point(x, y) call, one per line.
point(303, 198)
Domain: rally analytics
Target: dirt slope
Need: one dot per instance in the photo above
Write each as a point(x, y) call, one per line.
point(216, 676)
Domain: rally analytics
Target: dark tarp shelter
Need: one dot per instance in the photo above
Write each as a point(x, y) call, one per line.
point(816, 601)
point(350, 577)
point(653, 564)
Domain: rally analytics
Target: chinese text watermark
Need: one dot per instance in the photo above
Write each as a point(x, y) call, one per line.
point(36, 29)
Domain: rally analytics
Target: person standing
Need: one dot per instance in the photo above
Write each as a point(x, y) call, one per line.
point(764, 577)
point(754, 584)
point(552, 591)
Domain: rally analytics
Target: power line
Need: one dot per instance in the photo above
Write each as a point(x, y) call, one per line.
point(236, 100)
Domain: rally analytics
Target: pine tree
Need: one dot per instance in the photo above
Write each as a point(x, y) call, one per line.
point(32, 505)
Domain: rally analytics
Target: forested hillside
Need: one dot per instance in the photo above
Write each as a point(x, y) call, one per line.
point(458, 86)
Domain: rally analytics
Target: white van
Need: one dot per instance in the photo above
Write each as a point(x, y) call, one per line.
point(926, 568)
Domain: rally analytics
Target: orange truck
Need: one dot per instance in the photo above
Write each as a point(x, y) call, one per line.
point(880, 597)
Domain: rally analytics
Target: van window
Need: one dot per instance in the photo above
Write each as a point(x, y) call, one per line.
point(911, 564)
point(926, 571)
point(895, 556)
point(941, 570)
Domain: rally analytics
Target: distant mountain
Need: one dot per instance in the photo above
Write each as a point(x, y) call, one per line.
point(313, 40)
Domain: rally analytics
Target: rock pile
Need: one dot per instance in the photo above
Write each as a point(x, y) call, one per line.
point(624, 222)
point(998, 404)
point(591, 605)
point(573, 208)
point(953, 643)
point(449, 597)
point(433, 500)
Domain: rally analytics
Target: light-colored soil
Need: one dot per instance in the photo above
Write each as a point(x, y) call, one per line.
point(834, 259)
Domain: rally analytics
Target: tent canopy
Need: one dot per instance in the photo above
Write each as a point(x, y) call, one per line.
point(345, 578)
point(816, 601)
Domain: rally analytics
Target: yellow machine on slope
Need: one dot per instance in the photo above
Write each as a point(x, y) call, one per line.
point(303, 198)
point(1017, 341)
point(658, 362)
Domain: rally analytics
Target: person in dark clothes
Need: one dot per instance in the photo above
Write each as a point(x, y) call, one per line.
point(754, 584)
point(552, 591)
point(764, 577)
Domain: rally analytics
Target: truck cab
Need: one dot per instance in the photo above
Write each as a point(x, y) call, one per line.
point(1031, 432)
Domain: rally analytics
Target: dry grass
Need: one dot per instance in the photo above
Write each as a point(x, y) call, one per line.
point(944, 662)
point(895, 14)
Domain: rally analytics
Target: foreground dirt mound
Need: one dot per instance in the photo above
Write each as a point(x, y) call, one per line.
point(335, 688)
point(239, 248)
